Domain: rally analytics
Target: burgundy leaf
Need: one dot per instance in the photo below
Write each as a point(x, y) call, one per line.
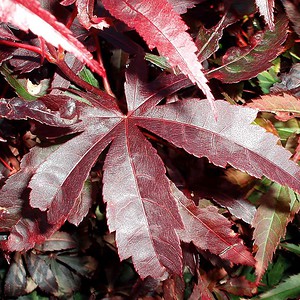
point(17, 109)
point(181, 6)
point(85, 15)
point(81, 205)
point(289, 82)
point(207, 40)
point(293, 14)
point(209, 230)
point(6, 33)
point(167, 33)
point(266, 10)
point(58, 241)
point(60, 81)
point(29, 15)
point(231, 139)
point(16, 279)
point(41, 273)
point(146, 201)
point(140, 204)
point(239, 286)
point(244, 63)
point(26, 226)
point(120, 40)
point(64, 180)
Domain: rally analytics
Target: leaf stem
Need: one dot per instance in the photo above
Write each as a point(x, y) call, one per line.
point(32, 48)
point(99, 58)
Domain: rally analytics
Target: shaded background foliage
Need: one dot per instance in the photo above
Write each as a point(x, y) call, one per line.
point(84, 132)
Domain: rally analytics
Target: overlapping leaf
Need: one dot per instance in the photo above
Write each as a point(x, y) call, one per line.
point(191, 126)
point(28, 15)
point(140, 205)
point(207, 40)
point(17, 109)
point(285, 107)
point(270, 222)
point(168, 34)
point(266, 8)
point(244, 63)
point(209, 230)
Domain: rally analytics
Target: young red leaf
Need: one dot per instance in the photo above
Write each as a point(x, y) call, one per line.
point(161, 27)
point(232, 139)
point(146, 201)
point(266, 10)
point(285, 107)
point(28, 15)
point(209, 230)
point(244, 63)
point(270, 223)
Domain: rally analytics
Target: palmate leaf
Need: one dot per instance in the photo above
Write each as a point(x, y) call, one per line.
point(245, 63)
point(163, 28)
point(140, 205)
point(28, 15)
point(270, 223)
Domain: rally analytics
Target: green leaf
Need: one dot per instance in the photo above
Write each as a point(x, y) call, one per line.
point(159, 61)
point(89, 77)
point(291, 247)
point(33, 296)
point(285, 290)
point(270, 223)
point(266, 79)
point(19, 85)
point(276, 271)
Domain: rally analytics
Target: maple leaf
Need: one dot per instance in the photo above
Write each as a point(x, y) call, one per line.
point(270, 223)
point(181, 6)
point(201, 228)
point(29, 15)
point(285, 107)
point(141, 207)
point(244, 63)
point(85, 15)
point(207, 40)
point(266, 10)
point(168, 34)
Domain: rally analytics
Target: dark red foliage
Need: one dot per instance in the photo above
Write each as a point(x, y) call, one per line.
point(88, 131)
